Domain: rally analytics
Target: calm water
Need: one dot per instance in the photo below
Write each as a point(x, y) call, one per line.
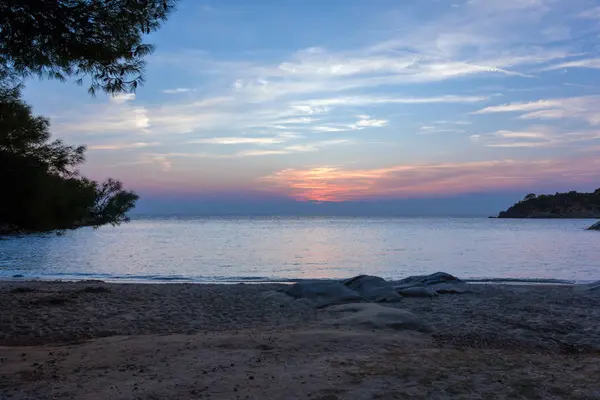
point(230, 249)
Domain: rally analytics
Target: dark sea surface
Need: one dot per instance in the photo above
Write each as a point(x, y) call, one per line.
point(286, 249)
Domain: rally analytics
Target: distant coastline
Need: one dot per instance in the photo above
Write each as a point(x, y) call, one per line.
point(560, 205)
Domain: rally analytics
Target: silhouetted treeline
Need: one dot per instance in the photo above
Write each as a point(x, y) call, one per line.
point(560, 205)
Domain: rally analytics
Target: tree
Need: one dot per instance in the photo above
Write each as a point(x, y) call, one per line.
point(24, 135)
point(530, 196)
point(99, 40)
point(42, 189)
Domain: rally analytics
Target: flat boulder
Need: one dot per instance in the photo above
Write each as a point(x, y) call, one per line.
point(324, 293)
point(439, 282)
point(373, 288)
point(427, 280)
point(374, 316)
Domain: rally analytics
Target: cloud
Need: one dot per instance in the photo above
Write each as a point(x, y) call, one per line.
point(443, 126)
point(122, 98)
point(592, 13)
point(370, 100)
point(430, 130)
point(334, 183)
point(364, 122)
point(116, 116)
point(300, 148)
point(372, 123)
point(283, 150)
point(452, 122)
point(296, 121)
point(481, 38)
point(592, 63)
point(233, 117)
point(433, 67)
point(122, 146)
point(342, 128)
point(257, 153)
point(178, 90)
point(536, 136)
point(237, 140)
point(583, 108)
point(156, 160)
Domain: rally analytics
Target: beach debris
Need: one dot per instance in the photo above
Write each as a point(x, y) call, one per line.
point(324, 293)
point(375, 316)
point(373, 288)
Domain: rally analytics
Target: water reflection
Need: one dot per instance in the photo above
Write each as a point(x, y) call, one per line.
point(311, 248)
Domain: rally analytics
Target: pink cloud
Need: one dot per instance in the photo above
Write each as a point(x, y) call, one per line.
point(401, 181)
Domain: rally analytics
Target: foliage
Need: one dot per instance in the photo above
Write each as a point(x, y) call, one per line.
point(100, 40)
point(97, 41)
point(45, 191)
point(569, 204)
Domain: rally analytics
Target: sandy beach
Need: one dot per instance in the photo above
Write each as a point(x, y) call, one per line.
point(95, 340)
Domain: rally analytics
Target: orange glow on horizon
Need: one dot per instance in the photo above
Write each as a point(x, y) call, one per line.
point(335, 184)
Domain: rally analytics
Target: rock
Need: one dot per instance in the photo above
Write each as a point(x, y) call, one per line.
point(277, 296)
point(373, 288)
point(17, 276)
point(595, 227)
point(375, 316)
point(324, 293)
point(417, 291)
point(593, 287)
point(427, 280)
point(440, 283)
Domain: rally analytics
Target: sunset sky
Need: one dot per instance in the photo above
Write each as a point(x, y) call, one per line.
point(350, 100)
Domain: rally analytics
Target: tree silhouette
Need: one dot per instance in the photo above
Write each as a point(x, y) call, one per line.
point(99, 40)
point(45, 191)
point(94, 41)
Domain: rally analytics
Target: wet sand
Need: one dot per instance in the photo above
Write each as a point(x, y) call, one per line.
point(92, 340)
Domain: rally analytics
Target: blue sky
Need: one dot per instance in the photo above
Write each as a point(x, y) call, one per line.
point(350, 100)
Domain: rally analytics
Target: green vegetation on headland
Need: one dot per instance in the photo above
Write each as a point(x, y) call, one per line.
point(560, 205)
point(99, 42)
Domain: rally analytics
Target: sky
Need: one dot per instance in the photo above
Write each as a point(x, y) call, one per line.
point(299, 104)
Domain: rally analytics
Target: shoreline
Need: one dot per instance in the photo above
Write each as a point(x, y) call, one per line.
point(143, 280)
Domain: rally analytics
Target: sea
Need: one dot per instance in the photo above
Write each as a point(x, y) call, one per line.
point(286, 249)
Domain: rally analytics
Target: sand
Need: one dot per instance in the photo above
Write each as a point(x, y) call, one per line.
point(92, 340)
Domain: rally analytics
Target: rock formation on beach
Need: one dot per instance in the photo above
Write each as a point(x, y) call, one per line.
point(367, 288)
point(359, 299)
